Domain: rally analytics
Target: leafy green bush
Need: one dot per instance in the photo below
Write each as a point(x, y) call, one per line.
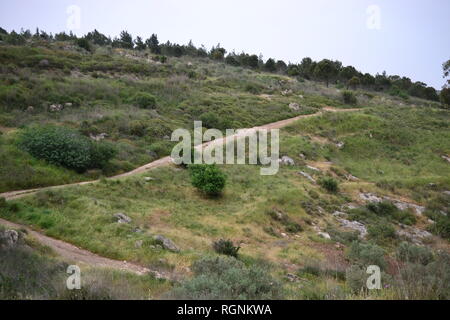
point(349, 97)
point(366, 254)
point(65, 147)
point(381, 231)
point(226, 247)
point(207, 178)
point(226, 278)
point(144, 100)
point(407, 252)
point(329, 184)
point(84, 43)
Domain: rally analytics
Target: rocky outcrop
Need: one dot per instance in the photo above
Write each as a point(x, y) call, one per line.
point(369, 197)
point(166, 243)
point(285, 160)
point(8, 238)
point(413, 234)
point(354, 225)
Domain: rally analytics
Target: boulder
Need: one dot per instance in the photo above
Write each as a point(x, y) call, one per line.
point(122, 218)
point(98, 137)
point(413, 234)
point(285, 160)
point(166, 243)
point(8, 238)
point(294, 106)
point(55, 107)
point(324, 235)
point(354, 225)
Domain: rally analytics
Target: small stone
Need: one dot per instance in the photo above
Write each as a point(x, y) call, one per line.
point(313, 168)
point(122, 218)
point(292, 277)
point(307, 176)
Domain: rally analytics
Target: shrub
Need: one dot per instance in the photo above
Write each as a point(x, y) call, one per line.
point(432, 281)
point(144, 100)
point(65, 147)
point(3, 203)
point(381, 231)
point(84, 43)
point(207, 178)
point(225, 278)
point(226, 247)
point(407, 252)
point(329, 184)
point(349, 97)
point(366, 254)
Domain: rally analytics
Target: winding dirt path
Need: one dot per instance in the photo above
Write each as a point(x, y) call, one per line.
point(73, 253)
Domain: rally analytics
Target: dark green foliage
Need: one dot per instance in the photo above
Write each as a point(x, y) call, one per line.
point(211, 120)
point(144, 100)
point(153, 44)
point(366, 254)
point(445, 97)
point(389, 210)
point(226, 247)
point(349, 97)
point(207, 178)
point(65, 147)
point(329, 184)
point(407, 252)
point(84, 43)
point(226, 278)
point(381, 231)
point(270, 65)
point(326, 70)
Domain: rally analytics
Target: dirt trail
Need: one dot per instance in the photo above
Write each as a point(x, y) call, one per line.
point(71, 252)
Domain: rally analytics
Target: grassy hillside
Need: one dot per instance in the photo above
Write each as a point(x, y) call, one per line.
point(285, 224)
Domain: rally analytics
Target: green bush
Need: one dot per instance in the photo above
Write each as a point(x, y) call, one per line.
point(226, 247)
point(381, 231)
point(65, 147)
point(366, 254)
point(144, 100)
point(389, 210)
point(407, 252)
point(329, 184)
point(207, 178)
point(84, 43)
point(225, 278)
point(349, 97)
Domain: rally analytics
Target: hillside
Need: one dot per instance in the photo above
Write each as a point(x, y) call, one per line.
point(386, 155)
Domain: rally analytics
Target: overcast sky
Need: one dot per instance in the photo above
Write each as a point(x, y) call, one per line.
point(405, 37)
